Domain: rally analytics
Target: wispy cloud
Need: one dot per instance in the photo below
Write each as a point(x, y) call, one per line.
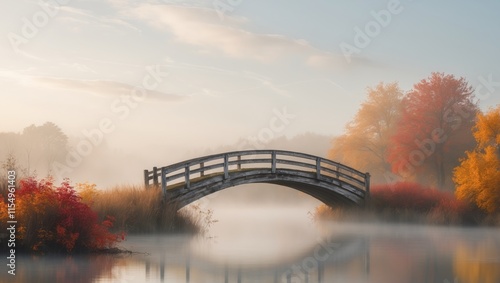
point(30, 56)
point(255, 80)
point(203, 28)
point(81, 16)
point(102, 87)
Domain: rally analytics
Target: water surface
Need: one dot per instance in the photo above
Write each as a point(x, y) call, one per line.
point(285, 246)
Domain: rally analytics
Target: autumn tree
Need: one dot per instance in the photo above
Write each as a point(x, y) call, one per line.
point(478, 176)
point(434, 130)
point(365, 142)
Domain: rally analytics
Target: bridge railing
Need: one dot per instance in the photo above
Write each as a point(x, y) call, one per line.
point(223, 164)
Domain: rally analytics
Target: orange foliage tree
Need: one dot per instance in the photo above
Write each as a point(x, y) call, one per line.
point(365, 142)
point(478, 176)
point(434, 130)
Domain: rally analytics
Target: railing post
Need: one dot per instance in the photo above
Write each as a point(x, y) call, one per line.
point(202, 172)
point(146, 179)
point(239, 162)
point(273, 161)
point(164, 182)
point(155, 176)
point(186, 176)
point(226, 165)
point(318, 168)
point(367, 186)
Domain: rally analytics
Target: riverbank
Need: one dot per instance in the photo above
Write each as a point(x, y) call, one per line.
point(42, 217)
point(410, 203)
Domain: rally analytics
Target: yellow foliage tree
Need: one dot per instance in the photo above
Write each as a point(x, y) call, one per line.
point(478, 176)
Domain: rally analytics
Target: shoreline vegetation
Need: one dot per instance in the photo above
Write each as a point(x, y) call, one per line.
point(410, 203)
point(67, 219)
point(137, 210)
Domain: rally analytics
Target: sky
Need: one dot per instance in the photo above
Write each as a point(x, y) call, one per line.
point(182, 75)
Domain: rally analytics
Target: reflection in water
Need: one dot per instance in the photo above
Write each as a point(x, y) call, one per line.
point(63, 269)
point(348, 253)
point(478, 262)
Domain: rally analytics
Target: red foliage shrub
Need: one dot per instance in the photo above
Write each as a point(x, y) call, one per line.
point(54, 218)
point(417, 198)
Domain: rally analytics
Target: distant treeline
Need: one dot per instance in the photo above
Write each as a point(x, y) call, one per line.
point(33, 150)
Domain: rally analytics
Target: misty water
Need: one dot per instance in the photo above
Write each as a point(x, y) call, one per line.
point(273, 242)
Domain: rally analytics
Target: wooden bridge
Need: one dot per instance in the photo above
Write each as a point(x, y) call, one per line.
point(328, 181)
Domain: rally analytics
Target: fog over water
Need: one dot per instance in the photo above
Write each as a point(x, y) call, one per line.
point(259, 224)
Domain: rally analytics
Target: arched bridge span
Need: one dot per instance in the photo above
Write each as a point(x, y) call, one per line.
point(327, 180)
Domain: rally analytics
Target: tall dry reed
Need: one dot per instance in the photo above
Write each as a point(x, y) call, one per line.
point(139, 210)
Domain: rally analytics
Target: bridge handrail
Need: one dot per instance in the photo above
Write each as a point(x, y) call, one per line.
point(212, 157)
point(318, 163)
